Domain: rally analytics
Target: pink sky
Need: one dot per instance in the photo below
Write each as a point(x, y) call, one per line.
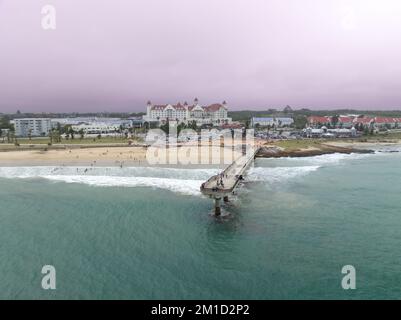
point(114, 55)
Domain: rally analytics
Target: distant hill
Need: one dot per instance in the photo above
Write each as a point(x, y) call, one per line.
point(73, 114)
point(246, 115)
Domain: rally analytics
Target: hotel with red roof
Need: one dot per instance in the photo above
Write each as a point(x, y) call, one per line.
point(214, 114)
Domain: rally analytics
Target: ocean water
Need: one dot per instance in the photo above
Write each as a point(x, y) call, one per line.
point(148, 233)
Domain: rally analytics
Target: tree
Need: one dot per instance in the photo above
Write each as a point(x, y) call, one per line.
point(54, 136)
point(81, 133)
point(334, 120)
point(71, 132)
point(165, 127)
point(180, 127)
point(51, 136)
point(300, 121)
point(192, 125)
point(66, 129)
point(287, 109)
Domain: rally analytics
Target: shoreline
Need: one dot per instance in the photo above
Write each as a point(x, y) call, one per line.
point(135, 155)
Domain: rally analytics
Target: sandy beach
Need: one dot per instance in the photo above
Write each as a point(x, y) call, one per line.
point(101, 156)
point(116, 156)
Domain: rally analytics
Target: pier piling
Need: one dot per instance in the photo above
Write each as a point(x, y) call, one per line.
point(217, 208)
point(221, 185)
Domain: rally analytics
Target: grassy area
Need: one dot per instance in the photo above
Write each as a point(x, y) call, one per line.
point(383, 136)
point(291, 145)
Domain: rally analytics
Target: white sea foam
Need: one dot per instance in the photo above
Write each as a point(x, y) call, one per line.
point(189, 187)
point(185, 181)
point(321, 161)
point(279, 174)
point(329, 159)
point(284, 169)
point(176, 173)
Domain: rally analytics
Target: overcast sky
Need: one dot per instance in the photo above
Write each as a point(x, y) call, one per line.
point(114, 55)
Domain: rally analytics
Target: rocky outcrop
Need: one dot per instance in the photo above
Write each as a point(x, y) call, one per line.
point(277, 152)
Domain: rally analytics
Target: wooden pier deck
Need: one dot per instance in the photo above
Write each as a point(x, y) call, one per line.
point(224, 183)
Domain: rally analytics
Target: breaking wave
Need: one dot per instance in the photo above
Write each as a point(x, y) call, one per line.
point(179, 180)
point(185, 181)
point(188, 187)
point(279, 174)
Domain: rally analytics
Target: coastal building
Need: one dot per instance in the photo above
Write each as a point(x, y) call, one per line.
point(272, 122)
point(90, 120)
point(93, 125)
point(344, 122)
point(34, 127)
point(337, 122)
point(350, 121)
point(214, 114)
point(364, 122)
point(324, 132)
point(136, 122)
point(96, 128)
point(383, 122)
point(317, 121)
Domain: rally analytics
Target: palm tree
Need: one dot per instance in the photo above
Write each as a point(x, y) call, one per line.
point(71, 132)
point(51, 133)
point(334, 120)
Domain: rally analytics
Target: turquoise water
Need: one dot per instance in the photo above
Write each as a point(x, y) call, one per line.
point(147, 233)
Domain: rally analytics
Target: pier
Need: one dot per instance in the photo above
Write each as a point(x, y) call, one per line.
point(220, 186)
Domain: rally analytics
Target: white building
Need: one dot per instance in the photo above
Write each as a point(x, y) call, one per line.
point(34, 127)
point(215, 114)
point(96, 128)
point(93, 125)
point(272, 122)
point(90, 120)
